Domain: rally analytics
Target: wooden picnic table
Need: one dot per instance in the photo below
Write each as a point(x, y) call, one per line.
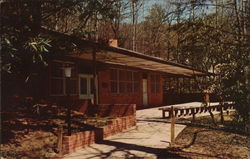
point(178, 111)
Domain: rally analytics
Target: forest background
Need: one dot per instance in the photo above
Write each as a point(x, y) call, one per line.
point(210, 35)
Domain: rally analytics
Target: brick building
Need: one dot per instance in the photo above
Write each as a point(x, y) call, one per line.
point(108, 74)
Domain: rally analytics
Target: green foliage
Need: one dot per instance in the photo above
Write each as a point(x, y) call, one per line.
point(214, 39)
point(83, 33)
point(17, 51)
point(25, 47)
point(233, 85)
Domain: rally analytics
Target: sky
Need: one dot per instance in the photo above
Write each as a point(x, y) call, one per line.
point(145, 7)
point(147, 4)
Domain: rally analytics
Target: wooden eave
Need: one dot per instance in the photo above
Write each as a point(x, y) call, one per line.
point(124, 57)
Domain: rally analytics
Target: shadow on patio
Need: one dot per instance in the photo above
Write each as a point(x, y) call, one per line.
point(125, 150)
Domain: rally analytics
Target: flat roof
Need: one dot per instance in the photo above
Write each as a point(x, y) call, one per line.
point(124, 57)
point(135, 59)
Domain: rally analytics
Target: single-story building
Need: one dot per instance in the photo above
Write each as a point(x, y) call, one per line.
point(108, 74)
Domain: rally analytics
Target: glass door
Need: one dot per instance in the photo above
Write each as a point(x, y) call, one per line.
point(86, 86)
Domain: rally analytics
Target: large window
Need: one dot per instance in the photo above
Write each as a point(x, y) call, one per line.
point(155, 83)
point(58, 83)
point(123, 81)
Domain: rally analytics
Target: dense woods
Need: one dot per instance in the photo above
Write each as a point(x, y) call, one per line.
point(210, 35)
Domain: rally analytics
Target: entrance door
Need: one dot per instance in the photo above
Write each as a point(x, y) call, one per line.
point(145, 91)
point(86, 85)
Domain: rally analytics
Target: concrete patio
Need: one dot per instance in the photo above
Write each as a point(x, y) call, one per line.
point(147, 140)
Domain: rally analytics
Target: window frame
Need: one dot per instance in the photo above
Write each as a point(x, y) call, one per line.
point(125, 81)
point(64, 79)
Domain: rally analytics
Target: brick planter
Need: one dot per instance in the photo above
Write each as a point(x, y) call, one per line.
point(118, 125)
point(76, 141)
point(82, 139)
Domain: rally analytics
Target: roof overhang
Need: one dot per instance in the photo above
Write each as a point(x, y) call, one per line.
point(124, 57)
point(120, 56)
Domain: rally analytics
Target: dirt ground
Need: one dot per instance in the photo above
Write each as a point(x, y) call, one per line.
point(202, 139)
point(29, 135)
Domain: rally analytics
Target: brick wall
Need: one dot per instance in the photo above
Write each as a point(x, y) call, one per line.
point(104, 110)
point(136, 98)
point(117, 125)
point(82, 139)
point(155, 99)
point(76, 141)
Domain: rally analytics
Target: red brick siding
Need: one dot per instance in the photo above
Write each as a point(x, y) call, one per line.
point(155, 98)
point(105, 97)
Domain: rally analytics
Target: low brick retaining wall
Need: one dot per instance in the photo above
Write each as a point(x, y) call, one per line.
point(82, 139)
point(76, 141)
point(116, 126)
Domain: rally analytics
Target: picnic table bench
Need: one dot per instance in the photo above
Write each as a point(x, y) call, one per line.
point(179, 111)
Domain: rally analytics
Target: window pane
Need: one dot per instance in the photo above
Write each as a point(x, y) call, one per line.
point(72, 86)
point(122, 87)
point(180, 85)
point(157, 78)
point(151, 78)
point(129, 76)
point(113, 87)
point(113, 75)
point(73, 73)
point(83, 86)
point(136, 76)
point(167, 84)
point(122, 75)
point(129, 87)
point(56, 70)
point(136, 87)
point(174, 85)
point(152, 87)
point(192, 85)
point(92, 86)
point(56, 86)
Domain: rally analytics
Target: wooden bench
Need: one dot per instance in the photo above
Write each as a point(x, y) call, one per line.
point(192, 110)
point(164, 110)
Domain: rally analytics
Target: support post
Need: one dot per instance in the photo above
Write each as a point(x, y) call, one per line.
point(172, 126)
point(221, 113)
point(59, 139)
point(94, 74)
point(68, 110)
point(163, 114)
point(193, 114)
